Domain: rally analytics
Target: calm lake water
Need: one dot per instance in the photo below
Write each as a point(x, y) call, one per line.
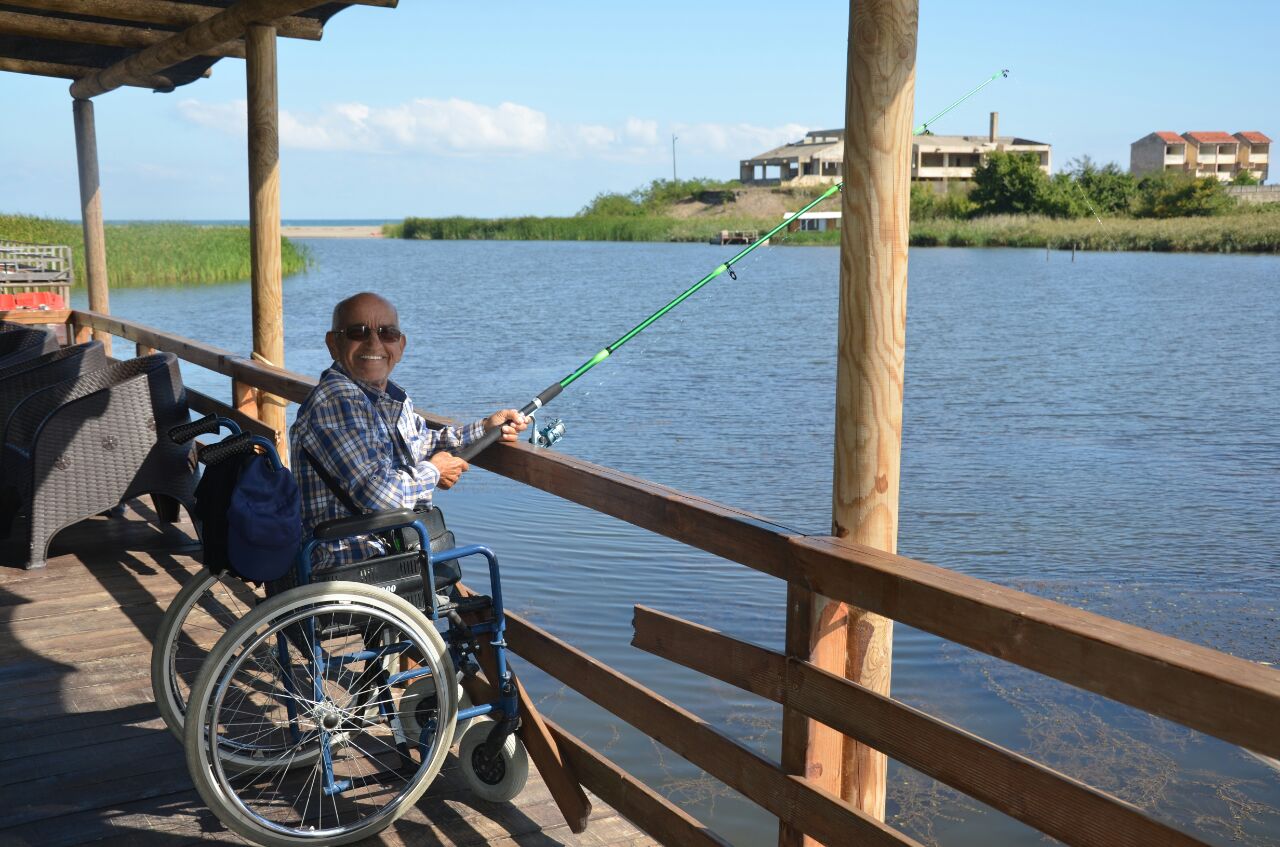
point(1101, 432)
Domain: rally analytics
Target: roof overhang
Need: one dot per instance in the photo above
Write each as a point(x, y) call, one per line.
point(83, 39)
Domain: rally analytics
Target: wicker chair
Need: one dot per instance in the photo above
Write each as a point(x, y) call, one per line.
point(17, 382)
point(17, 345)
point(82, 446)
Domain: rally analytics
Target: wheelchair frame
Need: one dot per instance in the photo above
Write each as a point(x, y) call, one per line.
point(460, 641)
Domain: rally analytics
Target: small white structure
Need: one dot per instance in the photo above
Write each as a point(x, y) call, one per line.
point(813, 221)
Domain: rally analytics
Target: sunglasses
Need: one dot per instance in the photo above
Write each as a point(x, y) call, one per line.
point(389, 333)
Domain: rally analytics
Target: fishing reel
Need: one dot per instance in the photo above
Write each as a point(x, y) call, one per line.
point(548, 435)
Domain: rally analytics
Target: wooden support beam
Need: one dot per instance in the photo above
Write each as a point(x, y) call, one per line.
point(244, 399)
point(845, 640)
point(561, 780)
point(164, 13)
point(632, 799)
point(63, 71)
point(1055, 804)
point(95, 244)
point(225, 26)
point(793, 800)
point(264, 219)
point(87, 32)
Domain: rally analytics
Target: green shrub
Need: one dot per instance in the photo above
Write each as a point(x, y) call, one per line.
point(1179, 195)
point(1109, 189)
point(927, 203)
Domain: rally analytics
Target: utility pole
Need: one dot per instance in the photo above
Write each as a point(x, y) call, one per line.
point(673, 159)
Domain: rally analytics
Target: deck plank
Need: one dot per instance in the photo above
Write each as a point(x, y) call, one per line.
point(84, 755)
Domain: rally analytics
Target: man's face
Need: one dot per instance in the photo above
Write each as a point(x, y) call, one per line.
point(371, 358)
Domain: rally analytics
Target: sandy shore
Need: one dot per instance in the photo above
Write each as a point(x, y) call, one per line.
point(365, 231)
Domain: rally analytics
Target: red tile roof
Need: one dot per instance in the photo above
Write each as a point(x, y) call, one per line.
point(1254, 137)
point(1211, 137)
point(1171, 138)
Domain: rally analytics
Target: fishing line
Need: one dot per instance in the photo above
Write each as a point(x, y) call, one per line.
point(553, 390)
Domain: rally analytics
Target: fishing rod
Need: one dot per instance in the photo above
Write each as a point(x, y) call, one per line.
point(555, 431)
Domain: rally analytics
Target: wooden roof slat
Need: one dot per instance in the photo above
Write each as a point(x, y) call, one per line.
point(56, 69)
point(164, 13)
point(219, 29)
point(112, 35)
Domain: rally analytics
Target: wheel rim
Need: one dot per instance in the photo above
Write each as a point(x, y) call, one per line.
point(489, 771)
point(211, 612)
point(338, 713)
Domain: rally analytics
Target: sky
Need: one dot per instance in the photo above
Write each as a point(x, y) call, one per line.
point(519, 108)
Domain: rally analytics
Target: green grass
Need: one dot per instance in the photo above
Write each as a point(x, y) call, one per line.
point(156, 254)
point(582, 228)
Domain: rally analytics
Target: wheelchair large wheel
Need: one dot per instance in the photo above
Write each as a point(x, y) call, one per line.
point(201, 613)
point(316, 670)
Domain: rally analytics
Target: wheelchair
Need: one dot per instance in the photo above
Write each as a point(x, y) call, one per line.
point(327, 704)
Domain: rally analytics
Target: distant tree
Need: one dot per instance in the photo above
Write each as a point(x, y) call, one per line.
point(1108, 188)
point(1009, 183)
point(1243, 177)
point(1179, 195)
point(612, 204)
point(1063, 197)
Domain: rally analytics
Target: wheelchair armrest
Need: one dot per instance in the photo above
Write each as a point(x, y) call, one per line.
point(364, 524)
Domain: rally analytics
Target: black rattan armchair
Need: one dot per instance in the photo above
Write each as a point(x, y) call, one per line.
point(83, 445)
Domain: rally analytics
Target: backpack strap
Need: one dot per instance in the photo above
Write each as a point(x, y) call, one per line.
point(343, 497)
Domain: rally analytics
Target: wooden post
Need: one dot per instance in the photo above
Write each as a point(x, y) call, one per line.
point(264, 217)
point(95, 247)
point(244, 399)
point(869, 383)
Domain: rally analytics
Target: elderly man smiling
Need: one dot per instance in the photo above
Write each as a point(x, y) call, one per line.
point(357, 444)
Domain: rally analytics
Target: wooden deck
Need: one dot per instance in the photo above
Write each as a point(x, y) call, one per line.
point(84, 755)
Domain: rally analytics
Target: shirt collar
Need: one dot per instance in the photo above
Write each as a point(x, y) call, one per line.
point(394, 392)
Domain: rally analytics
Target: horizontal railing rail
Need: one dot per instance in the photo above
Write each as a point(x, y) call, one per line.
point(1204, 689)
point(1057, 805)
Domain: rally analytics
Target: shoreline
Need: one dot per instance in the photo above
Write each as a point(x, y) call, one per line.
point(361, 231)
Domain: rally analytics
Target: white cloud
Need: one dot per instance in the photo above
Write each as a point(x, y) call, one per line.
point(227, 117)
point(456, 127)
point(641, 132)
point(740, 140)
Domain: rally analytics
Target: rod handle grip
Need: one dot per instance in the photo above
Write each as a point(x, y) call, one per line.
point(475, 448)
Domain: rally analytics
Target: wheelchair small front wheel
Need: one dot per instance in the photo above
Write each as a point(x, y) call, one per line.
point(313, 676)
point(497, 779)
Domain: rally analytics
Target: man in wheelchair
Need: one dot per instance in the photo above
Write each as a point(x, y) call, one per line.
point(358, 445)
point(328, 708)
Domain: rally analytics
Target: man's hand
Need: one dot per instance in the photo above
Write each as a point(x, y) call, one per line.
point(451, 469)
point(512, 422)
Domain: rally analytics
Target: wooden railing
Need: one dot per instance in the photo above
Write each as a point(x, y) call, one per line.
point(1204, 689)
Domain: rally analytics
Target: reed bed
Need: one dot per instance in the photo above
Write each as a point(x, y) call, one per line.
point(156, 254)
point(1243, 232)
point(1256, 232)
point(583, 228)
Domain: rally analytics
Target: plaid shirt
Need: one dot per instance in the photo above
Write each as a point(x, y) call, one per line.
point(375, 446)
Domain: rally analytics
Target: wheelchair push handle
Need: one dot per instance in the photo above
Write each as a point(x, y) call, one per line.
point(237, 444)
point(182, 433)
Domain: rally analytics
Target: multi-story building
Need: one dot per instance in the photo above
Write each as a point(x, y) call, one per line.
point(819, 157)
point(1255, 154)
point(1216, 154)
